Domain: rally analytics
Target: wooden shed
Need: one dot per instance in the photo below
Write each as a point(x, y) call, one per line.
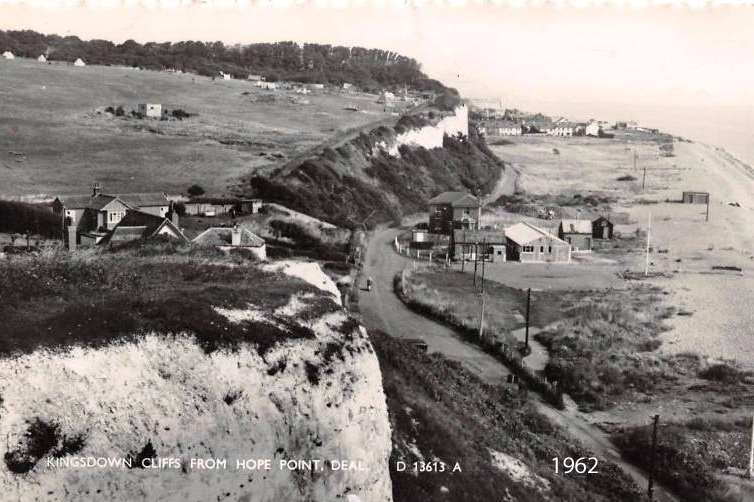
point(695, 197)
point(602, 228)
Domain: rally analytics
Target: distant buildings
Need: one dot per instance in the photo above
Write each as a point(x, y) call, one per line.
point(593, 129)
point(270, 86)
point(501, 128)
point(42, 58)
point(225, 76)
point(255, 78)
point(152, 110)
point(577, 233)
point(79, 62)
point(454, 210)
point(8, 55)
point(214, 206)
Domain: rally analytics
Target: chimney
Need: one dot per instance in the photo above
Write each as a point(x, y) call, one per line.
point(72, 235)
point(235, 236)
point(173, 214)
point(96, 189)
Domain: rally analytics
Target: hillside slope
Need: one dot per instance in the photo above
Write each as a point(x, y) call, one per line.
point(280, 374)
point(55, 137)
point(389, 172)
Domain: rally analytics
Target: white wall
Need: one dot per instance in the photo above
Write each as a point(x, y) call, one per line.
point(431, 136)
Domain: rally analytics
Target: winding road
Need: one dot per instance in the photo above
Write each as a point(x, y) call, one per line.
point(381, 309)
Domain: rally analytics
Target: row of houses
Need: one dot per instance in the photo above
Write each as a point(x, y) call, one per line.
point(458, 215)
point(42, 58)
point(110, 219)
point(560, 127)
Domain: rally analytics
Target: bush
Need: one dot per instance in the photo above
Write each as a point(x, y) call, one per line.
point(626, 177)
point(723, 373)
point(120, 112)
point(195, 190)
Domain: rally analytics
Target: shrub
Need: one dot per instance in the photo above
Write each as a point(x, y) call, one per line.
point(120, 112)
point(626, 177)
point(195, 190)
point(722, 373)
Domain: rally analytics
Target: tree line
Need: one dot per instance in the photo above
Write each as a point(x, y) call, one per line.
point(370, 69)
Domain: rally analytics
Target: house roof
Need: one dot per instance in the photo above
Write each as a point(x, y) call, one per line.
point(602, 218)
point(576, 226)
point(524, 233)
point(477, 236)
point(144, 199)
point(134, 200)
point(219, 200)
point(456, 199)
point(221, 236)
point(138, 224)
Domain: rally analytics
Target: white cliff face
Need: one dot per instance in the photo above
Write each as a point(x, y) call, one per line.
point(431, 136)
point(307, 399)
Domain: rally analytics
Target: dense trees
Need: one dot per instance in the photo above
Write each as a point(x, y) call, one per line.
point(23, 218)
point(371, 69)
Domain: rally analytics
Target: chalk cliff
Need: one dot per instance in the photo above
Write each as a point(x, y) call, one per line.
point(163, 396)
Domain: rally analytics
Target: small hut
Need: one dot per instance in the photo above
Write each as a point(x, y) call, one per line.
point(8, 55)
point(42, 58)
point(602, 228)
point(79, 62)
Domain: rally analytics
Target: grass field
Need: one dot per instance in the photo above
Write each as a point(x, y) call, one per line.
point(48, 113)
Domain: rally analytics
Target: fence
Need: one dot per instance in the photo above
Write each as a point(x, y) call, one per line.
point(428, 255)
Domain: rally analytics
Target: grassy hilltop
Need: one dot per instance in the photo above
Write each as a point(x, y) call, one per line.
point(54, 140)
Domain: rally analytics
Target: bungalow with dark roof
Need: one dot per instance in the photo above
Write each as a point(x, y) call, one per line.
point(577, 233)
point(489, 244)
point(233, 238)
point(213, 206)
point(454, 210)
point(139, 225)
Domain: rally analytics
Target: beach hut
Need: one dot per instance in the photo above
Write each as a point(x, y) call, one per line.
point(8, 55)
point(42, 58)
point(79, 62)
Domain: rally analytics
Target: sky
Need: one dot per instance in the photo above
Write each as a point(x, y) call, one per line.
point(685, 68)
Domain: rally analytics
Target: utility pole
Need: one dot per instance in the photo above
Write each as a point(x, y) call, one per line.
point(484, 247)
point(706, 218)
point(650, 485)
point(644, 179)
point(751, 451)
point(481, 318)
point(528, 310)
point(649, 230)
point(476, 261)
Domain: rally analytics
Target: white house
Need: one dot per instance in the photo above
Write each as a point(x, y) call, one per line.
point(8, 55)
point(79, 62)
point(593, 129)
point(562, 129)
point(225, 76)
point(42, 58)
point(347, 86)
point(255, 78)
point(152, 110)
point(270, 86)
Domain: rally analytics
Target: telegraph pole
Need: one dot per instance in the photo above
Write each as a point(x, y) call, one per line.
point(706, 218)
point(751, 451)
point(649, 230)
point(476, 261)
point(650, 485)
point(644, 179)
point(528, 310)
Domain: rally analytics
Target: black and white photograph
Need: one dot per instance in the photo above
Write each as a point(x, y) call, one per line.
point(376, 251)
